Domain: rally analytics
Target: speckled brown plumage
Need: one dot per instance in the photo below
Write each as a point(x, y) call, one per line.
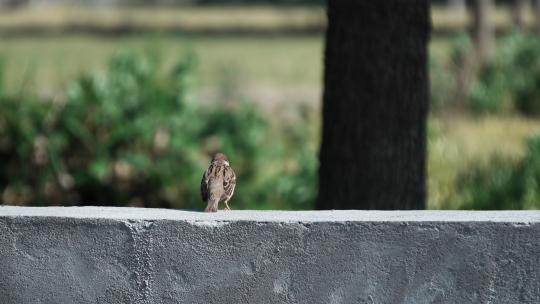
point(218, 183)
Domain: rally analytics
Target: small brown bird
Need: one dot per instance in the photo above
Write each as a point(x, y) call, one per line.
point(218, 183)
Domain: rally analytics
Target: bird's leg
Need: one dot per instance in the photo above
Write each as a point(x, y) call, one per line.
point(227, 205)
point(212, 207)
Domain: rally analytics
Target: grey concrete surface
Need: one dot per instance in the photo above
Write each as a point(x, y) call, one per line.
point(130, 255)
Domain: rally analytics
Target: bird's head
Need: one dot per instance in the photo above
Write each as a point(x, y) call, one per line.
point(220, 159)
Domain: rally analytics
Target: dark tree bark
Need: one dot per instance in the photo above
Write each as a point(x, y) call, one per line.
point(483, 31)
point(375, 103)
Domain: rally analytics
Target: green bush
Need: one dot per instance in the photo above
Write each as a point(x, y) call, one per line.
point(460, 50)
point(1, 75)
point(442, 84)
point(445, 84)
point(133, 137)
point(512, 79)
point(503, 184)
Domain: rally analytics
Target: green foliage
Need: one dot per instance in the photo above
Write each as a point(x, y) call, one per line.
point(445, 75)
point(512, 80)
point(488, 93)
point(460, 49)
point(133, 137)
point(1, 75)
point(503, 184)
point(442, 84)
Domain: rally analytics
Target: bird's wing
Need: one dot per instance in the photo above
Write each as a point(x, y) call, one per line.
point(204, 185)
point(229, 182)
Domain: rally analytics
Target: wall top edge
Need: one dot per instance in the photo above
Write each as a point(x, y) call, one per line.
point(128, 213)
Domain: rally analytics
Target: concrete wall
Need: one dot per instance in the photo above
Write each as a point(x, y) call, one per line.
point(129, 255)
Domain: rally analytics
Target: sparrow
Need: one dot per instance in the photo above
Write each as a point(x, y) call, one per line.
point(218, 183)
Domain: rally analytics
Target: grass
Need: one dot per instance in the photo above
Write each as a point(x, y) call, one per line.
point(48, 63)
point(206, 18)
point(444, 19)
point(456, 142)
point(260, 18)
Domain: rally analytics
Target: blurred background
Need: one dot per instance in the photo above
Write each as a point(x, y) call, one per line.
point(117, 102)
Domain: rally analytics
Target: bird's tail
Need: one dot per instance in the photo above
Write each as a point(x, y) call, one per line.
point(212, 205)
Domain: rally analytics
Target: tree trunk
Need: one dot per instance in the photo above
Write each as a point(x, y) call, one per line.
point(457, 6)
point(375, 103)
point(8, 4)
point(519, 11)
point(483, 32)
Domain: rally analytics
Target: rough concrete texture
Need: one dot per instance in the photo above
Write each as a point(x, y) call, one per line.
point(129, 255)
